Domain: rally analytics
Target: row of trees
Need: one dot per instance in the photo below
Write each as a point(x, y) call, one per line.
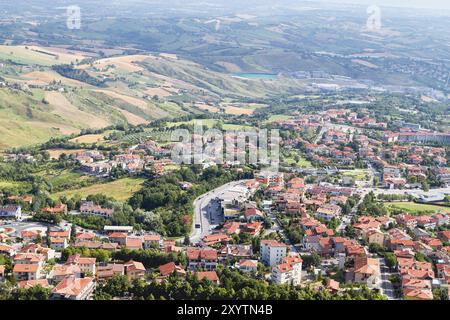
point(233, 285)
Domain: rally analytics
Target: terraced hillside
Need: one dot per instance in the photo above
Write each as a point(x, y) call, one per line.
point(48, 92)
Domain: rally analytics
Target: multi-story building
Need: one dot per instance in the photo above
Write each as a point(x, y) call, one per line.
point(328, 211)
point(89, 208)
point(11, 211)
point(202, 258)
point(87, 265)
point(272, 252)
point(289, 271)
point(72, 288)
point(27, 272)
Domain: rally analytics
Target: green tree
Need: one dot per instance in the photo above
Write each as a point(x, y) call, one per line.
point(34, 293)
point(391, 259)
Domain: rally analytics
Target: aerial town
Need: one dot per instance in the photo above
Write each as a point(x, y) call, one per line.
point(370, 211)
point(224, 151)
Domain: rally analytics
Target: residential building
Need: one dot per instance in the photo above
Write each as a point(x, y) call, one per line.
point(366, 270)
point(289, 271)
point(375, 236)
point(134, 269)
point(89, 208)
point(11, 211)
point(71, 288)
point(272, 252)
point(108, 271)
point(212, 239)
point(27, 271)
point(328, 211)
point(152, 241)
point(61, 271)
point(58, 244)
point(87, 265)
point(202, 258)
point(170, 268)
point(209, 275)
point(247, 265)
point(27, 284)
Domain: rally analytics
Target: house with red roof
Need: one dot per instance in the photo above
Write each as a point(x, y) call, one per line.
point(87, 265)
point(29, 235)
point(72, 288)
point(272, 252)
point(108, 271)
point(252, 214)
point(212, 239)
point(366, 270)
point(444, 235)
point(231, 227)
point(289, 271)
point(170, 268)
point(247, 265)
point(134, 269)
point(133, 243)
point(206, 258)
point(432, 242)
point(208, 275)
point(118, 237)
point(253, 228)
point(152, 240)
point(60, 208)
point(27, 272)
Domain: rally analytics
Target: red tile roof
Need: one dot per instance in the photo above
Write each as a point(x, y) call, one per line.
point(210, 275)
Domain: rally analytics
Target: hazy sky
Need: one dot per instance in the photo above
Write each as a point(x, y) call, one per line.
point(432, 4)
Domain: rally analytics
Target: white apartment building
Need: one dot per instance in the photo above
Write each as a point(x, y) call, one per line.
point(11, 211)
point(289, 271)
point(272, 252)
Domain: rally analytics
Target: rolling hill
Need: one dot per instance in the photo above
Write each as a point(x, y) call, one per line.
point(39, 100)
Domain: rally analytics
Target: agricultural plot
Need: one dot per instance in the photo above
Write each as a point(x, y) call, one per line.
point(33, 55)
point(14, 185)
point(294, 159)
point(121, 190)
point(89, 138)
point(418, 208)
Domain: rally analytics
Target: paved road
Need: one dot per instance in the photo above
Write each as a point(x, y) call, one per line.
point(321, 133)
point(207, 213)
point(386, 285)
point(415, 192)
point(347, 219)
point(20, 226)
point(276, 227)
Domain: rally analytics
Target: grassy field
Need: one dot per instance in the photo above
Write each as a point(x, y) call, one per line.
point(277, 117)
point(205, 122)
point(66, 179)
point(302, 162)
point(121, 190)
point(418, 208)
point(13, 184)
point(89, 138)
point(209, 123)
point(358, 174)
point(56, 153)
point(35, 55)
